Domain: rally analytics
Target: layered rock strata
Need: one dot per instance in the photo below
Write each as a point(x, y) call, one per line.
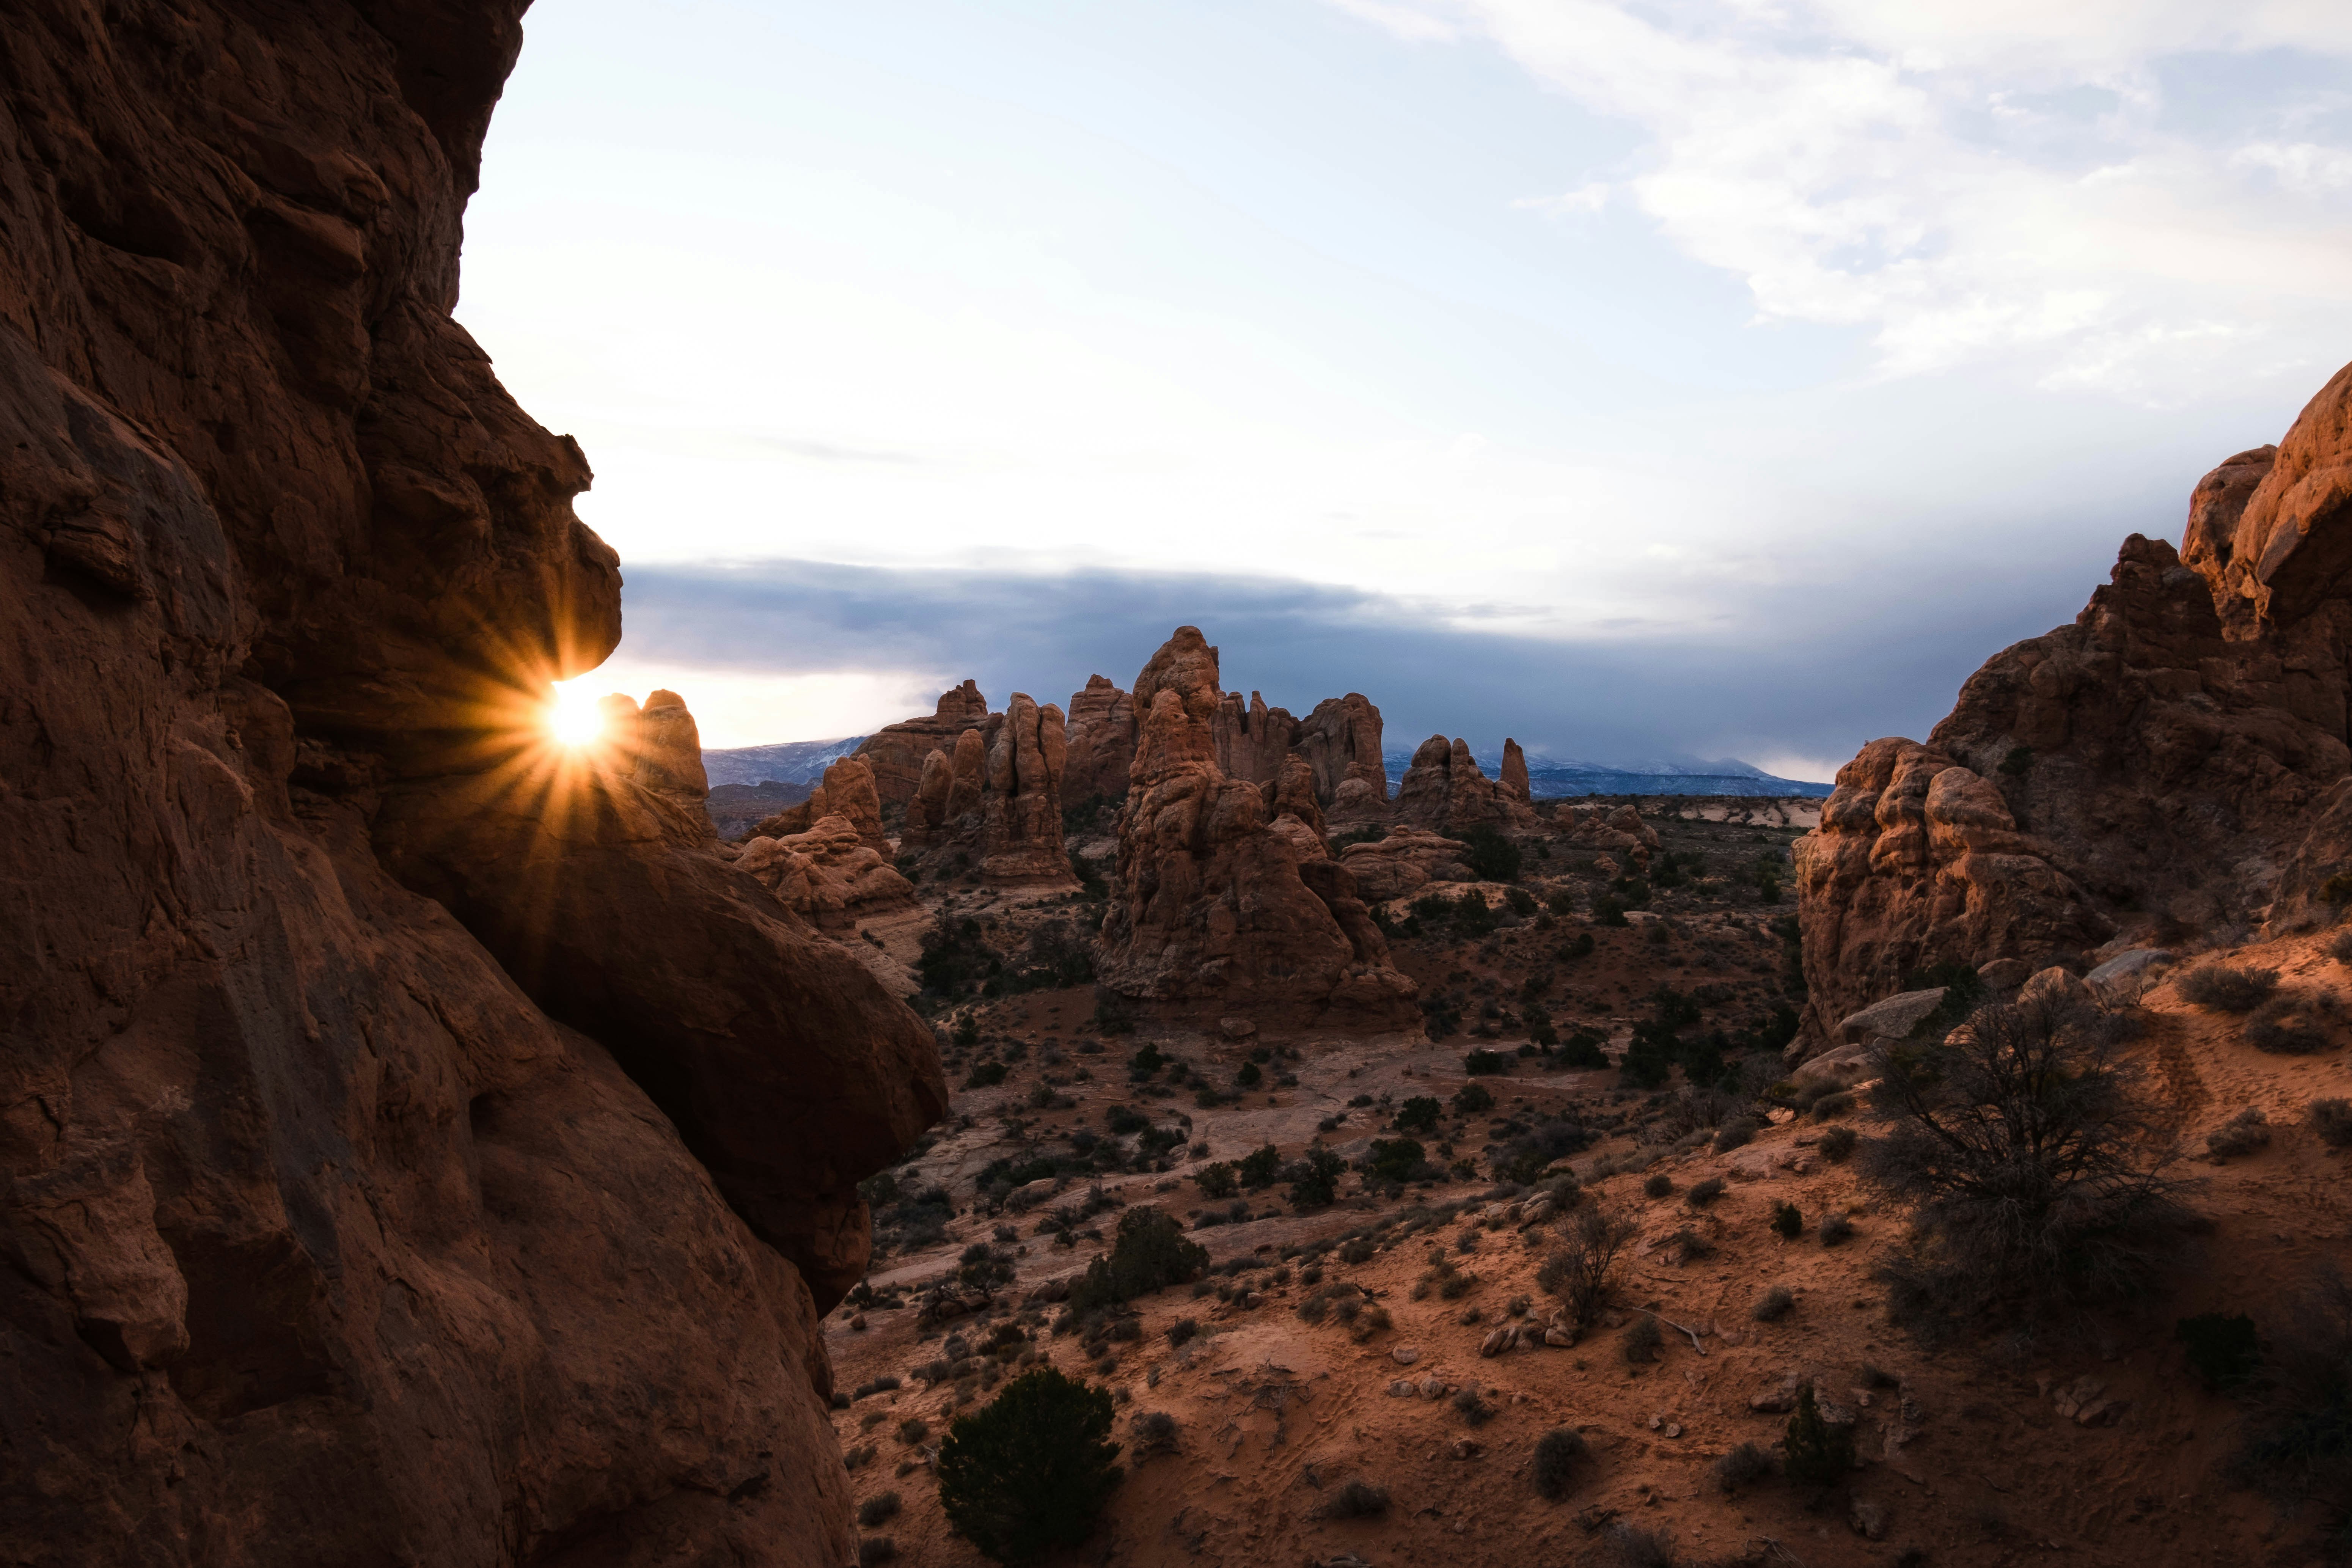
point(398, 1111)
point(2172, 760)
point(1217, 912)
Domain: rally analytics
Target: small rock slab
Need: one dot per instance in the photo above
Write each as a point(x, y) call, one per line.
point(1405, 1355)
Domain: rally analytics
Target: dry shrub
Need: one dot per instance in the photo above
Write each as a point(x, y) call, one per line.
point(2331, 1119)
point(1837, 1144)
point(2020, 1146)
point(1641, 1340)
point(1631, 1546)
point(1773, 1305)
point(2296, 1444)
point(1468, 1405)
point(1582, 1272)
point(2242, 1134)
point(2218, 988)
point(1704, 1192)
point(1357, 1499)
point(2290, 1026)
point(1743, 1467)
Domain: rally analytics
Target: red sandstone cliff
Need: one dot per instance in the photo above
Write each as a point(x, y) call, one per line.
point(398, 1111)
point(2176, 759)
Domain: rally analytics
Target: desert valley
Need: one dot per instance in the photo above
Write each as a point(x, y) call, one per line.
point(430, 1139)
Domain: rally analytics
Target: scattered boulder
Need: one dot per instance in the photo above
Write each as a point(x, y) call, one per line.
point(827, 875)
point(1404, 1355)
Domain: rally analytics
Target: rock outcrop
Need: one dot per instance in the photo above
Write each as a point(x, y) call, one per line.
point(416, 1142)
point(1444, 789)
point(1617, 831)
point(828, 875)
point(1341, 740)
point(895, 752)
point(1021, 804)
point(1404, 861)
point(847, 790)
point(1101, 732)
point(1217, 913)
point(2174, 758)
point(1514, 770)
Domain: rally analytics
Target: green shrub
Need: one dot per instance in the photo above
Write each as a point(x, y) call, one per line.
point(1474, 1099)
point(1030, 1472)
point(1419, 1114)
point(1703, 1192)
point(1583, 1052)
point(2242, 1134)
point(881, 1506)
point(1258, 1170)
point(1484, 1063)
point(2287, 1027)
point(1151, 1252)
point(1249, 1077)
point(1660, 1186)
point(1834, 1229)
point(1837, 1144)
point(1392, 1159)
point(2331, 1120)
point(1216, 1181)
point(1559, 1452)
point(1820, 1454)
point(1318, 1182)
point(1789, 1220)
point(1736, 1133)
point(1468, 1405)
point(1641, 1340)
point(1773, 1305)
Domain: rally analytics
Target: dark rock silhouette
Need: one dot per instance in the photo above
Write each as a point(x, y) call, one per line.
point(402, 1108)
point(2174, 758)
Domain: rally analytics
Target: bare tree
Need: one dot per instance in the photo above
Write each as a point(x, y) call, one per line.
point(1582, 1270)
point(2035, 1178)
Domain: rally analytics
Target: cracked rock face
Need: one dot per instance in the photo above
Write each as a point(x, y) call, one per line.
point(399, 1107)
point(2174, 759)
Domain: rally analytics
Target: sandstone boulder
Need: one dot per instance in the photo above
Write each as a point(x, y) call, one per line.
point(1405, 861)
point(1214, 914)
point(827, 875)
point(846, 791)
point(669, 748)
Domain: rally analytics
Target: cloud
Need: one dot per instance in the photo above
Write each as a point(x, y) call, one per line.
point(1993, 180)
point(1806, 700)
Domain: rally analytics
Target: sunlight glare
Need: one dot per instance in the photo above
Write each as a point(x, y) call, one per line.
point(574, 719)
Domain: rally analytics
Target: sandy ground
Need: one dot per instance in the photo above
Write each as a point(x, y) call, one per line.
point(1966, 1454)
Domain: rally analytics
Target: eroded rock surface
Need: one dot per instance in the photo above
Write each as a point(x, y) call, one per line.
point(1101, 729)
point(1445, 789)
point(828, 875)
point(1217, 912)
point(895, 752)
point(351, 1112)
point(2173, 759)
point(1021, 804)
point(847, 790)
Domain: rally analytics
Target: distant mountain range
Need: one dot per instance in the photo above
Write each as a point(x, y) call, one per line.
point(803, 763)
point(1555, 778)
point(798, 762)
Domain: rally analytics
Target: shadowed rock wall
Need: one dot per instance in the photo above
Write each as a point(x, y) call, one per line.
point(394, 1112)
point(2172, 760)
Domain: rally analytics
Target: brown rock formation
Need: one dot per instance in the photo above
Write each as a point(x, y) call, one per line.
point(669, 748)
point(1101, 732)
point(2174, 757)
point(1405, 862)
point(966, 775)
point(927, 813)
point(828, 875)
point(329, 1235)
point(895, 752)
point(1021, 810)
point(1216, 912)
point(846, 791)
point(1514, 770)
point(1341, 740)
point(1614, 830)
point(1444, 789)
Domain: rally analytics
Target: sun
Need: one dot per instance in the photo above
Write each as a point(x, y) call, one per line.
point(575, 720)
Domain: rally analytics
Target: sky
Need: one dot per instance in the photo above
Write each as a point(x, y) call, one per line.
point(1667, 380)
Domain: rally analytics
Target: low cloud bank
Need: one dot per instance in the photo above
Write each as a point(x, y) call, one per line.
point(1797, 702)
